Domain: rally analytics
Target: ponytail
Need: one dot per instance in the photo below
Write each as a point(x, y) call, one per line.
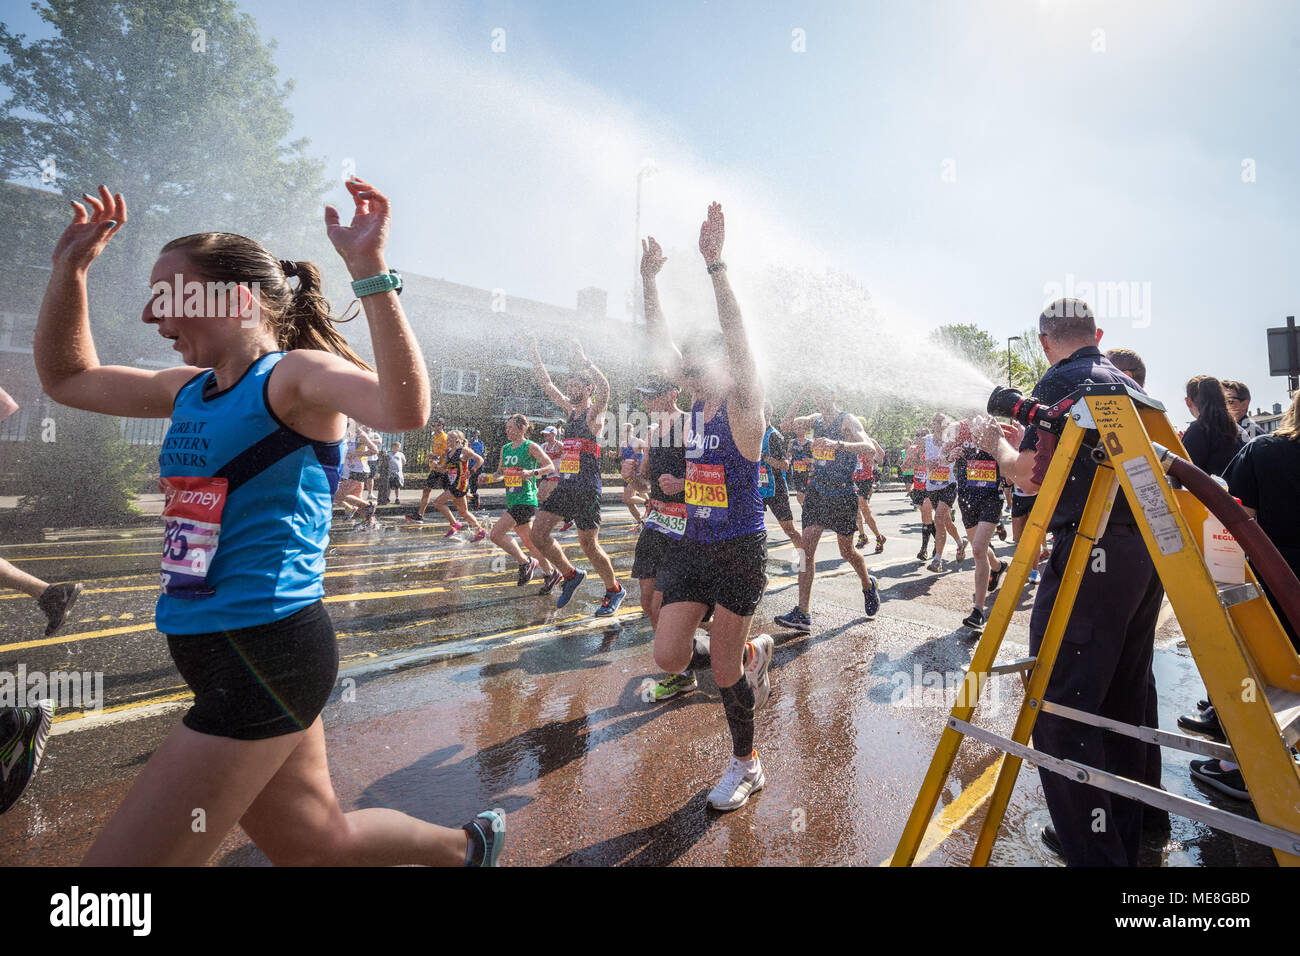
point(307, 323)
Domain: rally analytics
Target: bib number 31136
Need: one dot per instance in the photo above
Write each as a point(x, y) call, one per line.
point(192, 517)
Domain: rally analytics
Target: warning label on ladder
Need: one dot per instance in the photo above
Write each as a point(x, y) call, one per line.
point(1162, 521)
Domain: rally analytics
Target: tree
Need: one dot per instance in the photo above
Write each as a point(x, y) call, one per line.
point(178, 105)
point(973, 344)
point(1028, 362)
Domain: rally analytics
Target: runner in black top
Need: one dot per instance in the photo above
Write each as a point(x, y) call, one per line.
point(578, 496)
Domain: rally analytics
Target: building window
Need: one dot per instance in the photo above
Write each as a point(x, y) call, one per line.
point(17, 330)
point(458, 381)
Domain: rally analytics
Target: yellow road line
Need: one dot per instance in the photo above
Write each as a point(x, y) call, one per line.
point(955, 814)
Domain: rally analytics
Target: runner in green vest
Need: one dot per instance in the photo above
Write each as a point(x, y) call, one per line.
point(522, 462)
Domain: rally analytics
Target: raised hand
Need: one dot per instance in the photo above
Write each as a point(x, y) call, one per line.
point(988, 434)
point(712, 232)
point(652, 258)
point(582, 356)
point(363, 240)
point(90, 229)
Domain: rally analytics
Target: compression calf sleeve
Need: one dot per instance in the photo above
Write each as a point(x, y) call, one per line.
point(738, 700)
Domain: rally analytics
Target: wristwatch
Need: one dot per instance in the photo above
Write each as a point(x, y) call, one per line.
point(388, 281)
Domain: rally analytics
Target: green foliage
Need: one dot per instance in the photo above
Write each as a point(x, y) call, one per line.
point(1028, 363)
point(973, 344)
point(86, 475)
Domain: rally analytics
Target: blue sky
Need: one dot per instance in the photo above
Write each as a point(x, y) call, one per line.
point(958, 158)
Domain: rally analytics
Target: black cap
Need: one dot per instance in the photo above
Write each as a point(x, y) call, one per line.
point(656, 385)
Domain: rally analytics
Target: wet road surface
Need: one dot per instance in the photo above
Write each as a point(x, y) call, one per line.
point(459, 691)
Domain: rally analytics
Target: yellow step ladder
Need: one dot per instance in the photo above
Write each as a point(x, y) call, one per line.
point(1250, 669)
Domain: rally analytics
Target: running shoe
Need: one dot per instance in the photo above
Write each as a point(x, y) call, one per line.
point(936, 564)
point(370, 514)
point(479, 535)
point(56, 602)
point(1052, 841)
point(566, 526)
point(1034, 576)
point(871, 597)
point(880, 544)
point(760, 660)
point(350, 513)
point(1225, 781)
point(675, 684)
point(490, 828)
point(568, 587)
point(549, 582)
point(416, 517)
point(737, 784)
point(613, 599)
point(995, 578)
point(961, 549)
point(23, 733)
point(526, 571)
point(796, 620)
point(861, 542)
point(923, 554)
point(975, 620)
point(1000, 531)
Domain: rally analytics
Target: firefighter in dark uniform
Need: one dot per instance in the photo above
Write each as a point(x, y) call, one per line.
point(1105, 657)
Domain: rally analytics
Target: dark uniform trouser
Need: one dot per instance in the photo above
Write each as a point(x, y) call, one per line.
point(1103, 667)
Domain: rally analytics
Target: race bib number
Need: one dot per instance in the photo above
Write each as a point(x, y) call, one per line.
point(666, 517)
point(940, 473)
point(706, 492)
point(800, 464)
point(514, 477)
point(192, 517)
point(764, 476)
point(981, 473)
point(826, 453)
point(571, 463)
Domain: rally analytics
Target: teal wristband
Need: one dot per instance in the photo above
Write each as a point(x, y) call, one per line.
point(388, 281)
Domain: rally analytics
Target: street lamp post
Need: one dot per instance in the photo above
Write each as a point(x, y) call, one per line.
point(644, 172)
point(1010, 339)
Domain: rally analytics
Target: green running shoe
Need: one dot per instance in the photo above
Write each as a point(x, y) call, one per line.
point(673, 685)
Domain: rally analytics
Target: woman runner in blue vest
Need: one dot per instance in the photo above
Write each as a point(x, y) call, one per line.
point(249, 465)
point(721, 559)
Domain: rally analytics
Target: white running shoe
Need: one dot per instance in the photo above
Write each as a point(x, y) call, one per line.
point(737, 784)
point(936, 564)
point(961, 549)
point(756, 670)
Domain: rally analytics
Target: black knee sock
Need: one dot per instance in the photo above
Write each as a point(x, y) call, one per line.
point(738, 699)
point(926, 531)
point(700, 659)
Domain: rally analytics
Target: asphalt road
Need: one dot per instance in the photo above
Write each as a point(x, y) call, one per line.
point(459, 691)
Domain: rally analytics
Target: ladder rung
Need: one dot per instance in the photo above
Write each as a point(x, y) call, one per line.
point(1244, 827)
point(1232, 594)
point(1193, 745)
point(1286, 709)
point(1022, 666)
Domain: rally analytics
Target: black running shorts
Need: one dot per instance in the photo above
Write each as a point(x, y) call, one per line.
point(579, 505)
point(943, 496)
point(864, 487)
point(1021, 505)
point(985, 507)
point(651, 547)
point(799, 479)
point(779, 505)
point(522, 514)
point(259, 682)
point(437, 480)
point(917, 496)
point(837, 512)
point(731, 573)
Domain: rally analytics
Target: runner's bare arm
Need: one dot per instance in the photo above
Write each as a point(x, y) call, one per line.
point(544, 464)
point(64, 349)
point(544, 378)
point(599, 398)
point(745, 405)
point(663, 350)
point(395, 397)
